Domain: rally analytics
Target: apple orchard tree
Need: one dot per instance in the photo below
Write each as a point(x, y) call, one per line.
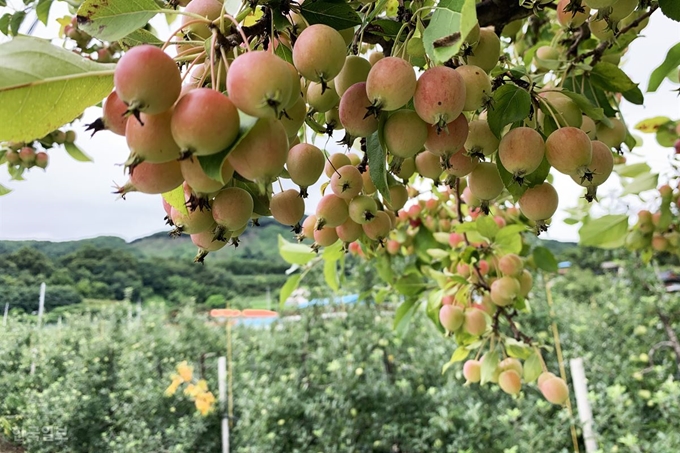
point(456, 112)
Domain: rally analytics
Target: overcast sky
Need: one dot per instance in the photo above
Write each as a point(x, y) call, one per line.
point(74, 200)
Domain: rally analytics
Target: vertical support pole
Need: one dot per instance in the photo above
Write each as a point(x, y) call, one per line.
point(222, 382)
point(585, 415)
point(4, 318)
point(41, 304)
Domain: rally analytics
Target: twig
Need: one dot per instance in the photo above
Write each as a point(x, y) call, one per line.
point(598, 52)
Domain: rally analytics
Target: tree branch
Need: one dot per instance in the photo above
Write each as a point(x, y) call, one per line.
point(500, 13)
point(604, 45)
point(489, 12)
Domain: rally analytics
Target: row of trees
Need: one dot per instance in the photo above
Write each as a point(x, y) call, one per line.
point(91, 273)
point(351, 384)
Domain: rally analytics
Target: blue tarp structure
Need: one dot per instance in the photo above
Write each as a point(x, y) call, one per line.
point(263, 322)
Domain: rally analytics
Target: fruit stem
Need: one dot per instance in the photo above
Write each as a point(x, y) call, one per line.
point(200, 20)
point(192, 64)
point(183, 13)
point(396, 40)
point(552, 113)
point(220, 21)
point(243, 14)
point(540, 357)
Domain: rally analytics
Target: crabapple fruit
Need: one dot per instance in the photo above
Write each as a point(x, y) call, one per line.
point(138, 83)
point(204, 122)
point(439, 97)
point(451, 317)
point(405, 133)
point(487, 51)
point(259, 84)
point(319, 53)
point(390, 84)
point(521, 152)
point(477, 86)
point(287, 207)
point(569, 151)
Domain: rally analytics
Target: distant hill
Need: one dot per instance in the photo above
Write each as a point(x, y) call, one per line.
point(259, 243)
point(558, 247)
point(59, 249)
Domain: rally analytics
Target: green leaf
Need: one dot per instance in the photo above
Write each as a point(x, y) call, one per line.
point(634, 96)
point(330, 274)
point(437, 254)
point(517, 349)
point(386, 27)
point(646, 181)
point(458, 355)
point(376, 164)
point(260, 197)
point(610, 77)
point(451, 22)
point(139, 37)
point(176, 199)
point(532, 368)
point(212, 165)
point(544, 259)
point(671, 8)
point(334, 13)
point(536, 177)
point(509, 239)
point(284, 53)
point(666, 217)
point(510, 103)
point(76, 153)
point(409, 285)
point(632, 141)
point(333, 252)
point(16, 21)
point(632, 170)
point(403, 314)
point(581, 84)
point(486, 226)
point(36, 99)
point(666, 135)
point(111, 20)
point(670, 63)
point(4, 190)
point(42, 10)
point(489, 366)
point(384, 268)
point(4, 23)
point(295, 253)
point(606, 232)
point(585, 104)
point(288, 288)
point(651, 125)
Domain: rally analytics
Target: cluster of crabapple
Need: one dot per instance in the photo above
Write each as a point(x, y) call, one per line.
point(508, 376)
point(86, 46)
point(494, 282)
point(21, 156)
point(656, 231)
point(429, 125)
point(26, 157)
